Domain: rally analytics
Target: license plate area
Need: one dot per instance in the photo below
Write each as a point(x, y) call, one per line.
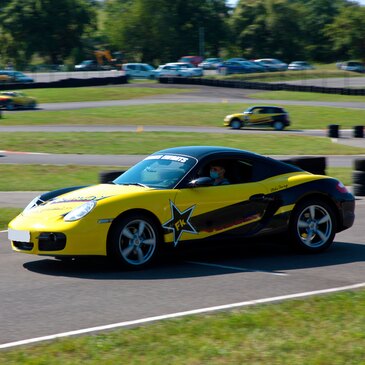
point(17, 235)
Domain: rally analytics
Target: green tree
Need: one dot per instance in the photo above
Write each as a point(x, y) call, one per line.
point(49, 28)
point(164, 30)
point(265, 28)
point(347, 32)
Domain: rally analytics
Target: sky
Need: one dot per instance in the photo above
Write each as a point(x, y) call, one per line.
point(234, 2)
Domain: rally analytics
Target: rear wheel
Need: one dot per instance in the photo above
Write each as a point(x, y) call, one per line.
point(134, 241)
point(313, 226)
point(236, 124)
point(278, 125)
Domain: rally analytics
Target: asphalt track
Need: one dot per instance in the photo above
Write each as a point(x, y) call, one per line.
point(41, 298)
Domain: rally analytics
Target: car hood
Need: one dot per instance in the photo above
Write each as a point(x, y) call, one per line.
point(100, 193)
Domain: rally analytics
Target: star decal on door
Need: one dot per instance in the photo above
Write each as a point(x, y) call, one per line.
point(180, 222)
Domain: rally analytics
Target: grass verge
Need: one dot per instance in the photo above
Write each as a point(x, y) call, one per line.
point(284, 76)
point(318, 330)
point(148, 142)
point(52, 177)
point(199, 114)
point(304, 96)
point(122, 92)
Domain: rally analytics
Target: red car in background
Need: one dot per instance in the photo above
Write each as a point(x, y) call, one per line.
point(194, 60)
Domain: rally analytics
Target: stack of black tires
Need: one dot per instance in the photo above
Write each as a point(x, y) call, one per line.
point(358, 177)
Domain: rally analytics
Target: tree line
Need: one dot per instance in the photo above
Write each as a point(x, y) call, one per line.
point(157, 31)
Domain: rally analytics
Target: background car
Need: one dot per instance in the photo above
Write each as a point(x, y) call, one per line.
point(87, 65)
point(168, 199)
point(239, 59)
point(16, 100)
point(194, 60)
point(234, 67)
point(195, 71)
point(139, 70)
point(172, 70)
point(210, 63)
point(15, 76)
point(354, 66)
point(300, 66)
point(273, 64)
point(273, 116)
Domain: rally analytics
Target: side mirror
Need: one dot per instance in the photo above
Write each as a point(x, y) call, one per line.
point(201, 181)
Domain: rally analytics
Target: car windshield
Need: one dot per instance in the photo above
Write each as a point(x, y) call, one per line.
point(158, 171)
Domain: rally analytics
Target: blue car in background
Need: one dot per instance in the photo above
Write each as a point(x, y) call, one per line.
point(236, 67)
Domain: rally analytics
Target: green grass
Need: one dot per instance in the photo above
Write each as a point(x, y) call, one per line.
point(51, 177)
point(322, 330)
point(147, 142)
point(200, 114)
point(289, 76)
point(6, 215)
point(122, 92)
point(304, 96)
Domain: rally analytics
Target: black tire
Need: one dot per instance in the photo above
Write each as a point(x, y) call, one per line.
point(32, 105)
point(358, 189)
point(312, 226)
point(108, 176)
point(278, 125)
point(359, 164)
point(236, 123)
point(10, 106)
point(134, 241)
point(358, 177)
point(315, 165)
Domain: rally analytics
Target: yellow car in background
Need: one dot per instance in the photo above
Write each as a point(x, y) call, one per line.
point(273, 116)
point(11, 100)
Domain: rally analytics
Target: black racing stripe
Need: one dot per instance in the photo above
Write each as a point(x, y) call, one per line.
point(228, 216)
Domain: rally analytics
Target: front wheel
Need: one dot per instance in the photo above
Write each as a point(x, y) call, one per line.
point(313, 226)
point(236, 124)
point(134, 241)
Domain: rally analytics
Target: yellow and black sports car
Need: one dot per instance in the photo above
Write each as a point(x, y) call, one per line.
point(16, 100)
point(258, 116)
point(169, 198)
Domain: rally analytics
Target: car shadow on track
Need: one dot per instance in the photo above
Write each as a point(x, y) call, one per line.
point(198, 260)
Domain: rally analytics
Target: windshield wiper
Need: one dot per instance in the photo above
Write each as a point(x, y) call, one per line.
point(137, 184)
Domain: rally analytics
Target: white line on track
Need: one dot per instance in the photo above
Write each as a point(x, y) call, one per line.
point(244, 269)
point(180, 314)
point(4, 231)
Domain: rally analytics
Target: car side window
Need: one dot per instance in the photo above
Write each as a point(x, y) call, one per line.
point(237, 171)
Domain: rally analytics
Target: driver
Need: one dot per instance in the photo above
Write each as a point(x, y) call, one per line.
point(217, 172)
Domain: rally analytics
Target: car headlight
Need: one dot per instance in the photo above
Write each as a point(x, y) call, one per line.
point(80, 211)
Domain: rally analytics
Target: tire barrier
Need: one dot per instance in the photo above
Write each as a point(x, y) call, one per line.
point(95, 81)
point(108, 176)
point(358, 177)
point(358, 131)
point(259, 85)
point(314, 165)
point(333, 131)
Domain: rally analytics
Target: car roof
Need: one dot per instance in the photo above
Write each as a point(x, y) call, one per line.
point(203, 151)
